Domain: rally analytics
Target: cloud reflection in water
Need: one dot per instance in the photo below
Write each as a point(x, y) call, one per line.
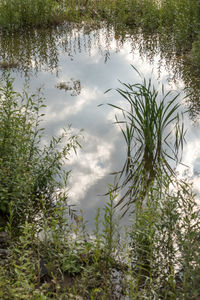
point(98, 60)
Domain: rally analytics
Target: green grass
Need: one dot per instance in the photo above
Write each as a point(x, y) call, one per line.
point(153, 131)
point(179, 18)
point(20, 13)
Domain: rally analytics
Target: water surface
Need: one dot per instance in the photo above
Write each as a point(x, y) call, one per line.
point(75, 65)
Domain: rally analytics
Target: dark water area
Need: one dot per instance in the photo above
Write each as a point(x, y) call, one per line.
point(75, 65)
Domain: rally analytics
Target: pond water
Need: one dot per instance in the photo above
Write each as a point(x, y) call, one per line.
point(75, 65)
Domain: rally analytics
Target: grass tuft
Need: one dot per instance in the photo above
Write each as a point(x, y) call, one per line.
point(154, 133)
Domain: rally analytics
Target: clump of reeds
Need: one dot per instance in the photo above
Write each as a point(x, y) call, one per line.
point(154, 134)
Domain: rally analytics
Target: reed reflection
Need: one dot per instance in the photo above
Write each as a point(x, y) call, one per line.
point(31, 51)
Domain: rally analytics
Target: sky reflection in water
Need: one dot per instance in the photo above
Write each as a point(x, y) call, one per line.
point(96, 60)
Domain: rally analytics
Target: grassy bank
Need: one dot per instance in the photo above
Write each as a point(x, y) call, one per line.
point(45, 249)
point(180, 18)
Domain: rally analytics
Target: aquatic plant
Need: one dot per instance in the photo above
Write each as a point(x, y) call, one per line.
point(53, 256)
point(154, 134)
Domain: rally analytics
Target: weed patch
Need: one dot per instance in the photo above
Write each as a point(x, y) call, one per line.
point(179, 18)
point(28, 172)
point(46, 251)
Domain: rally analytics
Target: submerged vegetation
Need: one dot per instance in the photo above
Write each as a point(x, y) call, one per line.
point(45, 249)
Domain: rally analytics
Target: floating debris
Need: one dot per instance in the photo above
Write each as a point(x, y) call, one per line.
point(73, 85)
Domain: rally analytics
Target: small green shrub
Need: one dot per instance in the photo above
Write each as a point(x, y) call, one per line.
point(186, 23)
point(167, 13)
point(58, 258)
point(164, 242)
point(29, 174)
point(20, 275)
